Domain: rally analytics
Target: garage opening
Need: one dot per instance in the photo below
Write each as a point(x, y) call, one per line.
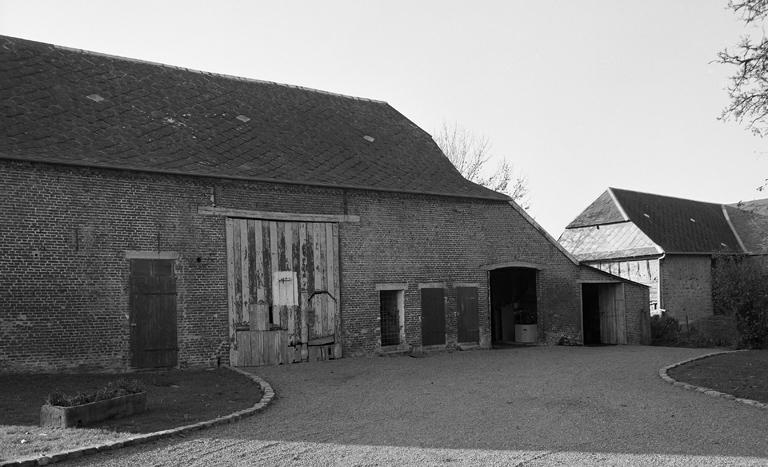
point(603, 314)
point(514, 316)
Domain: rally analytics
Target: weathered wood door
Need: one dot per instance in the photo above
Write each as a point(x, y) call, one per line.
point(432, 316)
point(468, 320)
point(153, 314)
point(283, 288)
point(612, 314)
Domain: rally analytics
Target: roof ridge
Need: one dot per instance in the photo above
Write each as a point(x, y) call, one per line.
point(665, 196)
point(733, 228)
point(616, 201)
point(222, 75)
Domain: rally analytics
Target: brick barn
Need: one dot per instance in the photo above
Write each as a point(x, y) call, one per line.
point(155, 216)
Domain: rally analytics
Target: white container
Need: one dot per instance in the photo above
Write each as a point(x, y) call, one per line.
point(526, 333)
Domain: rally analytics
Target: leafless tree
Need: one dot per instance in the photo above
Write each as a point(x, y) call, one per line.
point(470, 154)
point(748, 89)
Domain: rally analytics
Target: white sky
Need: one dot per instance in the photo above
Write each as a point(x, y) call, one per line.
point(579, 95)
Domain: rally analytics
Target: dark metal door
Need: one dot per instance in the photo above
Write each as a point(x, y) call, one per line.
point(432, 316)
point(468, 322)
point(153, 314)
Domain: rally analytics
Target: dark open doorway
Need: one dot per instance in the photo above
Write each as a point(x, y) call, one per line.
point(603, 314)
point(591, 314)
point(514, 305)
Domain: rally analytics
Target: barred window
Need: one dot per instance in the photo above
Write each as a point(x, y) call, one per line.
point(390, 316)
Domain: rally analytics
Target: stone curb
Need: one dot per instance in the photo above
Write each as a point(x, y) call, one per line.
point(266, 399)
point(710, 392)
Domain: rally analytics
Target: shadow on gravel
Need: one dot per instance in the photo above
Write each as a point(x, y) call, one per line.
point(599, 399)
point(542, 405)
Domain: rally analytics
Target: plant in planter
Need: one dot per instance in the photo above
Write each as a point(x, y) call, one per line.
point(117, 400)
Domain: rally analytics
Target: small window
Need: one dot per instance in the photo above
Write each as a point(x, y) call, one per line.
point(152, 267)
point(390, 316)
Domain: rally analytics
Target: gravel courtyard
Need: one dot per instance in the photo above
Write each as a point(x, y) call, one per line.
point(526, 406)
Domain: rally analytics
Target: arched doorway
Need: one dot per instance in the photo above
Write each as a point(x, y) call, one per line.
point(514, 303)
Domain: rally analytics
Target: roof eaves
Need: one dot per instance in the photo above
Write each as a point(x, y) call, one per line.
point(501, 197)
point(618, 278)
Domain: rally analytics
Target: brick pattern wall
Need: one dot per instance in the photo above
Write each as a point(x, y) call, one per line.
point(686, 286)
point(64, 278)
point(417, 239)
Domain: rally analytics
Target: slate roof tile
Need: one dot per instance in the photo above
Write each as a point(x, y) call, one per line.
point(676, 225)
point(165, 118)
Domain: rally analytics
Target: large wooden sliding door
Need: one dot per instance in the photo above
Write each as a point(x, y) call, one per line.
point(283, 286)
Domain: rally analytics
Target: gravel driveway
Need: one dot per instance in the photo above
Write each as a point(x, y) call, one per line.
point(523, 406)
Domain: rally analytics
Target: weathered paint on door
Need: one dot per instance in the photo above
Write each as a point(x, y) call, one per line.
point(432, 316)
point(468, 320)
point(283, 288)
point(153, 314)
point(613, 328)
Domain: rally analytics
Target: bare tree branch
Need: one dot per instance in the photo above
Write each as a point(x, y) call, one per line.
point(470, 154)
point(748, 89)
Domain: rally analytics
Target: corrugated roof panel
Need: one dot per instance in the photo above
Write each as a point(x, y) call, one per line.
point(623, 240)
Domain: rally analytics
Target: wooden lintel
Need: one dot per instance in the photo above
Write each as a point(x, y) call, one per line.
point(322, 341)
point(513, 264)
point(276, 216)
point(129, 254)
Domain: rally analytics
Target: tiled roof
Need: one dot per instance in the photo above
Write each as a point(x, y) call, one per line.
point(679, 225)
point(751, 228)
point(673, 224)
point(622, 240)
point(602, 211)
point(61, 105)
point(758, 206)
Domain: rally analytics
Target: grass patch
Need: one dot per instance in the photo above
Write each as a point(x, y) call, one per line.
point(174, 398)
point(742, 374)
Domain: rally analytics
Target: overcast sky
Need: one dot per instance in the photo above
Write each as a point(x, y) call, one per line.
point(579, 95)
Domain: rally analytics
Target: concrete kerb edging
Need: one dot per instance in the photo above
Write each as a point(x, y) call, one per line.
point(266, 399)
point(710, 392)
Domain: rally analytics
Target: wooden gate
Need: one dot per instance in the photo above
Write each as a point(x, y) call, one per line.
point(153, 314)
point(613, 329)
point(432, 316)
point(283, 289)
point(468, 320)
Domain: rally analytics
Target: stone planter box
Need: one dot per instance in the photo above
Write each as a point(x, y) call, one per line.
point(87, 414)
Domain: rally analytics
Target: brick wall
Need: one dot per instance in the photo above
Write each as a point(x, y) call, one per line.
point(418, 239)
point(64, 276)
point(686, 286)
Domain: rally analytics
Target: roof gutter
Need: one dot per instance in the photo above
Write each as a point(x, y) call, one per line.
point(257, 179)
point(661, 274)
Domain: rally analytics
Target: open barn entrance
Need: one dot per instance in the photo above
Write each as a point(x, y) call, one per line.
point(603, 313)
point(514, 300)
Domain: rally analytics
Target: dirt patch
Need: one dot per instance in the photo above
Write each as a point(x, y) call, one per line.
point(743, 374)
point(174, 398)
